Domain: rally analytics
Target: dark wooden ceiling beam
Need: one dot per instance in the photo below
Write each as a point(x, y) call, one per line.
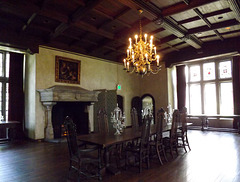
point(29, 21)
point(93, 29)
point(78, 14)
point(207, 22)
point(219, 35)
point(158, 19)
point(222, 34)
point(182, 6)
point(122, 34)
point(168, 39)
point(186, 2)
point(235, 6)
point(207, 15)
point(202, 17)
point(12, 39)
point(172, 47)
point(32, 17)
point(214, 26)
point(119, 49)
point(156, 31)
point(115, 18)
point(82, 11)
point(212, 49)
point(76, 39)
point(59, 30)
point(80, 2)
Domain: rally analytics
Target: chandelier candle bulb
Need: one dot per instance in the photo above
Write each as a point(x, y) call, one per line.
point(128, 66)
point(145, 38)
point(136, 37)
point(157, 60)
point(155, 51)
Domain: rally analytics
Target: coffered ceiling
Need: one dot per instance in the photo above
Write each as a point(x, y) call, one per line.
point(101, 28)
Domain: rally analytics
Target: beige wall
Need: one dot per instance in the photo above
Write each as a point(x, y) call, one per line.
point(95, 74)
point(156, 85)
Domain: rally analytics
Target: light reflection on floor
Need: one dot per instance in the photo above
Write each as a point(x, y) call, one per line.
point(213, 158)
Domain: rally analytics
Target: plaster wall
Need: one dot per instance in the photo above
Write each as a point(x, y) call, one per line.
point(157, 86)
point(95, 74)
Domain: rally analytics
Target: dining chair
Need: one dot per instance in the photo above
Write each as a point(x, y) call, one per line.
point(141, 150)
point(157, 142)
point(85, 161)
point(134, 119)
point(171, 142)
point(102, 121)
point(182, 133)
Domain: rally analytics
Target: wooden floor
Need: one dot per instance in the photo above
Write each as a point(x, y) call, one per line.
point(215, 157)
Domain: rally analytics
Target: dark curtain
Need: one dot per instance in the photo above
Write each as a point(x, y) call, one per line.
point(16, 96)
point(236, 88)
point(181, 87)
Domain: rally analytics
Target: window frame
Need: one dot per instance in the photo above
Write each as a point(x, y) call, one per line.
point(4, 80)
point(217, 81)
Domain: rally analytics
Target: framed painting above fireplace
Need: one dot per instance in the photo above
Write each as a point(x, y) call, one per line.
point(67, 70)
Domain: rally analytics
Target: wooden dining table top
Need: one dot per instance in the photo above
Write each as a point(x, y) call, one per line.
point(108, 139)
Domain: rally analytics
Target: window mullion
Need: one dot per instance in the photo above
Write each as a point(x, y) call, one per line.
point(202, 88)
point(217, 87)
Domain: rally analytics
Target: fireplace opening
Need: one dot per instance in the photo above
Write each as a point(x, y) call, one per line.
point(76, 110)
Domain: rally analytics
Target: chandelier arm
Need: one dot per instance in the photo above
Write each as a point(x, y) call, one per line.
point(132, 71)
point(156, 71)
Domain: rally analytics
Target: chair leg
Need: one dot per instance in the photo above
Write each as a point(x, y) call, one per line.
point(99, 165)
point(140, 162)
point(171, 150)
point(176, 148)
point(164, 153)
point(158, 154)
point(184, 144)
point(148, 159)
point(187, 142)
point(126, 160)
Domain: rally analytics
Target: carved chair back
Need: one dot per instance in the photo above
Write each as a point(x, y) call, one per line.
point(134, 118)
point(102, 120)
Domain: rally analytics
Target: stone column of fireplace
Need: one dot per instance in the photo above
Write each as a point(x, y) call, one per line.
point(48, 120)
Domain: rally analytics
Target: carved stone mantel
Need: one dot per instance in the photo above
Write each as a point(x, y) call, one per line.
point(50, 96)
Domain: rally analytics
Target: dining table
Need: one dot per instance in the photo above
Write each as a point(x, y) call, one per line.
point(106, 140)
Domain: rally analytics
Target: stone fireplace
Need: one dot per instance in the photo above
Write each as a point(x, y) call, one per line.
point(60, 101)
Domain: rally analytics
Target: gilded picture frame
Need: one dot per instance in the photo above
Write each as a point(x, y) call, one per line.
point(67, 70)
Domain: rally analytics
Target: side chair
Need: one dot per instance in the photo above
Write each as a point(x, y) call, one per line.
point(171, 142)
point(157, 142)
point(182, 133)
point(85, 161)
point(141, 150)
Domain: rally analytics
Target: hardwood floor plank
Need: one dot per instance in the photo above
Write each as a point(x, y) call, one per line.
point(214, 157)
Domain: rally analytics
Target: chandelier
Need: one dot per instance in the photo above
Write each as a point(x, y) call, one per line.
point(142, 55)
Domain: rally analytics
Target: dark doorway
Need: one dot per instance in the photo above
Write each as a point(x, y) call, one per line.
point(120, 102)
point(137, 104)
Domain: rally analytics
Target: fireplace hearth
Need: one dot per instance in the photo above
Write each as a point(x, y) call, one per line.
point(75, 110)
